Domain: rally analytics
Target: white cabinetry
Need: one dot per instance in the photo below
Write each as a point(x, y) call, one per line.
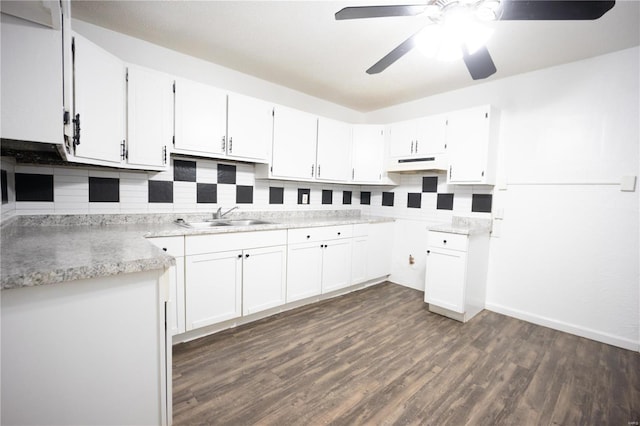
point(334, 150)
point(368, 153)
point(294, 144)
point(319, 260)
point(249, 128)
point(420, 137)
point(149, 116)
point(86, 352)
point(99, 102)
point(214, 269)
point(456, 273)
point(359, 249)
point(175, 247)
point(32, 76)
point(472, 136)
point(380, 242)
point(200, 118)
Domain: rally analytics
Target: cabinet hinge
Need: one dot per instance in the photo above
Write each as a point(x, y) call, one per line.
point(271, 169)
point(123, 150)
point(174, 87)
point(486, 115)
point(446, 123)
point(273, 112)
point(445, 146)
point(164, 154)
point(174, 140)
point(126, 76)
point(65, 117)
point(482, 173)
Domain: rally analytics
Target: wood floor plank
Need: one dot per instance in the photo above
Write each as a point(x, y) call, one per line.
point(379, 357)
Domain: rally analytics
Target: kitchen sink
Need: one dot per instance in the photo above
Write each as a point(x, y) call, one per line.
point(214, 223)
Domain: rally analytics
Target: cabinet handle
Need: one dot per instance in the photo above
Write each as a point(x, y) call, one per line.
point(230, 145)
point(240, 256)
point(428, 251)
point(339, 233)
point(353, 174)
point(246, 255)
point(308, 236)
point(444, 241)
point(164, 248)
point(412, 147)
point(123, 150)
point(450, 167)
point(312, 166)
point(416, 146)
point(76, 130)
point(164, 154)
point(318, 170)
point(223, 143)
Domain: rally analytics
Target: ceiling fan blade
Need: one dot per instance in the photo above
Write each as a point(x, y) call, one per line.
point(554, 10)
point(394, 55)
point(479, 64)
point(360, 12)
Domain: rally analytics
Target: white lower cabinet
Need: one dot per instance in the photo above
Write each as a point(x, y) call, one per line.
point(359, 249)
point(379, 244)
point(225, 272)
point(456, 274)
point(304, 271)
point(175, 247)
point(336, 265)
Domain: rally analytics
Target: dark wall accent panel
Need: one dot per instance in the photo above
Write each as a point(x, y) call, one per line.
point(244, 194)
point(160, 191)
point(365, 198)
point(4, 188)
point(104, 190)
point(276, 195)
point(34, 187)
point(327, 196)
point(414, 200)
point(387, 199)
point(346, 197)
point(430, 184)
point(184, 171)
point(207, 193)
point(445, 202)
point(481, 203)
point(301, 192)
point(226, 173)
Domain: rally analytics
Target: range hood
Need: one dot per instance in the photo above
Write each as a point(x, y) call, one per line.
point(415, 164)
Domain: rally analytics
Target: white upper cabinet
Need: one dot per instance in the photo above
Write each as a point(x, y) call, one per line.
point(334, 150)
point(32, 103)
point(149, 116)
point(294, 144)
point(368, 153)
point(250, 128)
point(99, 102)
point(419, 137)
point(472, 143)
point(200, 118)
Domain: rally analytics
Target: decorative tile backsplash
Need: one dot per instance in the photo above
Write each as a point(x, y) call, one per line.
point(204, 185)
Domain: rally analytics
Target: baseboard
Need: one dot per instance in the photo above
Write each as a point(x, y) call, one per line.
point(566, 327)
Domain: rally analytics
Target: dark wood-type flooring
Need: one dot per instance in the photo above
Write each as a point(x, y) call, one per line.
point(378, 356)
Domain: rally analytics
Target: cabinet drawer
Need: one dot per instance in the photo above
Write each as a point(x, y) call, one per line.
point(212, 243)
point(447, 240)
point(320, 233)
point(172, 245)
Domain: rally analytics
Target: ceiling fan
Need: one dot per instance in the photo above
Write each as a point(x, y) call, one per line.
point(455, 18)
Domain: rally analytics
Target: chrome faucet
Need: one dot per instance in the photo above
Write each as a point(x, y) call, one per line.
point(220, 215)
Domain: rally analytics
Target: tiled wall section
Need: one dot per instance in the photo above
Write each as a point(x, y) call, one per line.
point(204, 185)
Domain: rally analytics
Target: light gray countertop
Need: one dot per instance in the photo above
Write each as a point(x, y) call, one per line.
point(41, 250)
point(464, 226)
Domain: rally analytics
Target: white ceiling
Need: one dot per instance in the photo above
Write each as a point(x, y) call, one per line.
point(300, 45)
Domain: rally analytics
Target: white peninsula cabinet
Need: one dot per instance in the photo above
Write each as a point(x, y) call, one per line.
point(99, 103)
point(472, 137)
point(319, 261)
point(149, 117)
point(200, 118)
point(175, 247)
point(91, 351)
point(223, 272)
point(456, 274)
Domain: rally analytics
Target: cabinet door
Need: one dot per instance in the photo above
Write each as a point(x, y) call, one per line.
point(149, 116)
point(336, 265)
point(334, 150)
point(213, 288)
point(445, 279)
point(468, 143)
point(379, 249)
point(294, 143)
point(176, 295)
point(263, 278)
point(250, 128)
point(402, 137)
point(368, 153)
point(31, 81)
point(304, 271)
point(431, 132)
point(359, 250)
point(201, 115)
point(99, 94)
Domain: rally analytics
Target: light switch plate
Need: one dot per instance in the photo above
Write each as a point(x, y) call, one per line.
point(628, 183)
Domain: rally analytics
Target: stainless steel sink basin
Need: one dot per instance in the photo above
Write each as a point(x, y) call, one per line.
point(221, 222)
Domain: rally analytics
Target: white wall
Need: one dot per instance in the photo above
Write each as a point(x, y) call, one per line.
point(140, 52)
point(566, 254)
